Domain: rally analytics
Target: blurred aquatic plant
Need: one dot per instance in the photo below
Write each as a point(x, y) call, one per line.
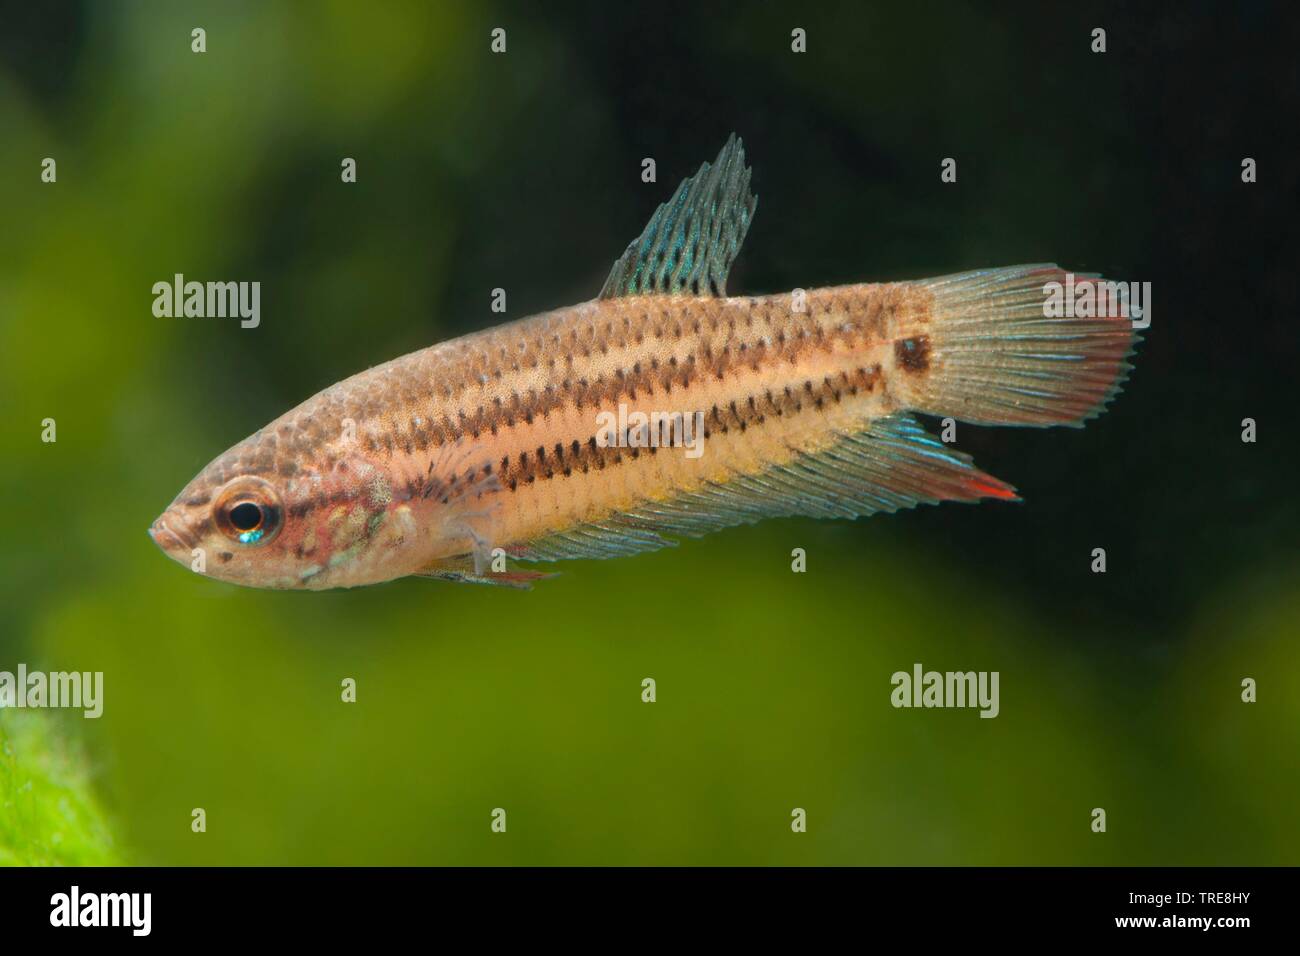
point(49, 815)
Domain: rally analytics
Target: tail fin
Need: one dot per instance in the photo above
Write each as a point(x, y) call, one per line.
point(997, 355)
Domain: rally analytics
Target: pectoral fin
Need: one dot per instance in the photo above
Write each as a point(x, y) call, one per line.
point(462, 569)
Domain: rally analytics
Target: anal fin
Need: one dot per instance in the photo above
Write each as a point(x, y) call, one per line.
point(890, 464)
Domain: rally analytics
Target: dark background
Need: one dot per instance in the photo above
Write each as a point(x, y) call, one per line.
point(523, 171)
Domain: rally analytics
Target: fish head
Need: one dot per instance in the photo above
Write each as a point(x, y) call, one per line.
point(283, 510)
point(323, 497)
point(233, 530)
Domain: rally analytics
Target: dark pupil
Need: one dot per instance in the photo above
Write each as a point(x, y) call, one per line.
point(245, 516)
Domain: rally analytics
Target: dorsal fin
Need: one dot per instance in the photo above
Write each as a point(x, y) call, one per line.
point(690, 242)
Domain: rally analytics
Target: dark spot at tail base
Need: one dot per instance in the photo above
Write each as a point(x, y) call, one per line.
point(913, 355)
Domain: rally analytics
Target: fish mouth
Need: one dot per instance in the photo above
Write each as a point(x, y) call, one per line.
point(169, 538)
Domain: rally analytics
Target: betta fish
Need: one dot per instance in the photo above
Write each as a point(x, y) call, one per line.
point(664, 408)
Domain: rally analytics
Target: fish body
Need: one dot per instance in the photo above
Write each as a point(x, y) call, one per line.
point(664, 408)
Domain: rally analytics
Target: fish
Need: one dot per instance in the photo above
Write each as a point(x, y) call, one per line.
point(663, 409)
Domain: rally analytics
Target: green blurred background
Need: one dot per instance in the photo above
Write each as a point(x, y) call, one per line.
point(1118, 690)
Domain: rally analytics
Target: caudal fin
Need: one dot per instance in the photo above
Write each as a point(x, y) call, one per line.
point(996, 354)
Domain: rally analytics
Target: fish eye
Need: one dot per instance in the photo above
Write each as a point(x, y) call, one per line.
point(246, 516)
point(248, 511)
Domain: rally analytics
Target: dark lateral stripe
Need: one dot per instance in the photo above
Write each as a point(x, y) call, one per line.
point(869, 311)
point(646, 378)
point(584, 455)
